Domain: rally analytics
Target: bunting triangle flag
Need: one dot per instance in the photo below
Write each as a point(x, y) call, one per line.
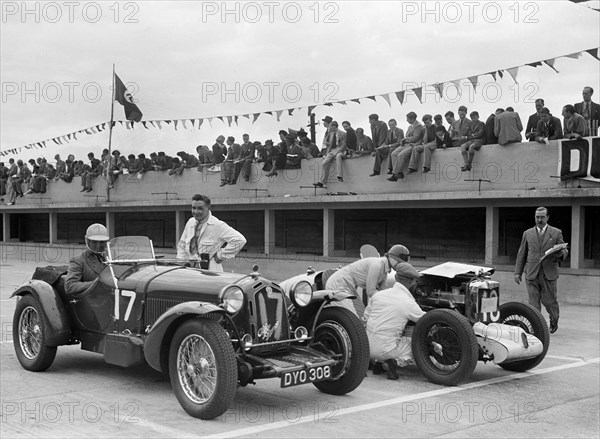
point(54, 140)
point(200, 123)
point(575, 55)
point(183, 123)
point(356, 100)
point(387, 99)
point(500, 73)
point(439, 87)
point(127, 125)
point(291, 111)
point(210, 121)
point(75, 136)
point(400, 96)
point(144, 123)
point(342, 102)
point(159, 125)
point(269, 112)
point(493, 75)
point(235, 119)
point(535, 64)
point(550, 63)
point(279, 113)
point(229, 119)
point(594, 53)
point(473, 80)
point(247, 116)
point(193, 122)
point(456, 83)
point(175, 121)
point(310, 109)
point(329, 104)
point(255, 117)
point(419, 92)
point(153, 124)
point(372, 97)
point(513, 72)
point(220, 118)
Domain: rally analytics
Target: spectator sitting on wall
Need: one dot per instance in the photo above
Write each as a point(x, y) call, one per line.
point(351, 141)
point(153, 160)
point(188, 160)
point(310, 149)
point(205, 156)
point(532, 122)
point(123, 165)
point(115, 168)
point(449, 116)
point(244, 164)
point(271, 157)
point(219, 150)
point(460, 127)
point(79, 168)
point(50, 173)
point(475, 138)
point(508, 127)
point(277, 154)
point(295, 153)
point(234, 152)
point(69, 171)
point(134, 165)
point(163, 162)
point(144, 164)
point(574, 123)
point(426, 147)
point(90, 175)
point(336, 150)
point(39, 180)
point(177, 166)
point(379, 130)
point(364, 144)
point(548, 127)
point(414, 136)
point(392, 142)
point(17, 181)
point(61, 166)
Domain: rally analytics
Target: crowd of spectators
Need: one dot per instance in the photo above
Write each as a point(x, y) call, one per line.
point(387, 140)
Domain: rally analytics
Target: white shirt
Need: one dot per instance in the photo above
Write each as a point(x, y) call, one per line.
point(213, 234)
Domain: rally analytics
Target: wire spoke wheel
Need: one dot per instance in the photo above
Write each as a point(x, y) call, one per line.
point(197, 368)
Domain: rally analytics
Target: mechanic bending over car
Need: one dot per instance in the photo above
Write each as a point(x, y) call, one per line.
point(207, 238)
point(85, 268)
point(370, 274)
point(386, 315)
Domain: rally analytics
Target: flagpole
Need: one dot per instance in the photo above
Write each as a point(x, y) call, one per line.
point(112, 114)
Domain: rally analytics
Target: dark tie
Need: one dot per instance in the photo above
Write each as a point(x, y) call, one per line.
point(334, 140)
point(194, 241)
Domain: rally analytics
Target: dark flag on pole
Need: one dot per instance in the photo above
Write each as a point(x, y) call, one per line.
point(124, 97)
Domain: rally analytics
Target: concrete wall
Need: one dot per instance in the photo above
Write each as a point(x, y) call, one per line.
point(516, 170)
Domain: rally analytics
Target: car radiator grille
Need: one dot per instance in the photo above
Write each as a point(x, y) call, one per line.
point(268, 317)
point(155, 307)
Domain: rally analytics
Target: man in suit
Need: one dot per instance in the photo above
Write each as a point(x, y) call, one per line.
point(532, 122)
point(459, 129)
point(234, 152)
point(336, 149)
point(85, 268)
point(541, 275)
point(426, 147)
point(590, 112)
point(475, 138)
point(548, 128)
point(414, 136)
point(392, 141)
point(379, 130)
point(508, 127)
point(573, 123)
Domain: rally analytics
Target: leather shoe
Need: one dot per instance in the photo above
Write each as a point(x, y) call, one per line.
point(340, 179)
point(401, 175)
point(392, 178)
point(377, 368)
point(553, 326)
point(373, 174)
point(465, 168)
point(392, 372)
point(411, 171)
point(223, 183)
point(426, 170)
point(390, 173)
point(318, 184)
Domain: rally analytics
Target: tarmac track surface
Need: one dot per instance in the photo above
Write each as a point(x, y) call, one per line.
point(82, 396)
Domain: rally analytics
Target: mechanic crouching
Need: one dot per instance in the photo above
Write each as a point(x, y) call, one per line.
point(85, 268)
point(386, 315)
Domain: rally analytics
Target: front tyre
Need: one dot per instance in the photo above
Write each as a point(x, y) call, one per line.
point(202, 368)
point(30, 335)
point(531, 321)
point(445, 347)
point(342, 333)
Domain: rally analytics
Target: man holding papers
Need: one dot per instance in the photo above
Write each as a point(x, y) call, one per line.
point(541, 249)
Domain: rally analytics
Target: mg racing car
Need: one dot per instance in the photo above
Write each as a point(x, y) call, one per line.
point(209, 332)
point(464, 323)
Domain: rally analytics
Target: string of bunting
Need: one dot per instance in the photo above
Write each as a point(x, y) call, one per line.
point(196, 123)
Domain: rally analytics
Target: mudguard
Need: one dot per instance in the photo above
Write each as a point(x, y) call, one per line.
point(56, 314)
point(334, 296)
point(156, 344)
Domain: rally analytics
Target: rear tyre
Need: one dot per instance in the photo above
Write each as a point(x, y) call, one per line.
point(30, 334)
point(531, 321)
point(341, 332)
point(445, 347)
point(202, 368)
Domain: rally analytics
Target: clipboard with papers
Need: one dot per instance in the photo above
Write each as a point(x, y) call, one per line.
point(555, 249)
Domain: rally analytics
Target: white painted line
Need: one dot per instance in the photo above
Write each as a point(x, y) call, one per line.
point(256, 430)
point(565, 357)
point(6, 341)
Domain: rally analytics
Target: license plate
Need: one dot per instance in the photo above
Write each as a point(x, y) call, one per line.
point(312, 375)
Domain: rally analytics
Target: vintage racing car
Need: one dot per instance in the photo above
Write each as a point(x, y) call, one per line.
point(210, 332)
point(464, 323)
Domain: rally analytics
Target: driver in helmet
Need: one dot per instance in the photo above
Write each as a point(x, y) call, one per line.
point(85, 268)
point(370, 274)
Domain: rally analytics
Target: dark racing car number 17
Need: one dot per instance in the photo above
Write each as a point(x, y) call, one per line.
point(312, 375)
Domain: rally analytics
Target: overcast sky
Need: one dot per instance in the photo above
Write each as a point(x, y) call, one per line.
point(198, 60)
